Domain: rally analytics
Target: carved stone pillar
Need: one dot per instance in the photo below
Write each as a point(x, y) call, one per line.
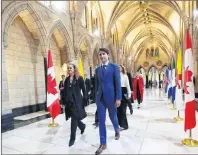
point(7, 115)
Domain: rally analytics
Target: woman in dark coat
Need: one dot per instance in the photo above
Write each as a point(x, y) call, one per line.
point(74, 107)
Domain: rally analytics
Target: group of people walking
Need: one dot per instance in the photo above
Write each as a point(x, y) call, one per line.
point(114, 90)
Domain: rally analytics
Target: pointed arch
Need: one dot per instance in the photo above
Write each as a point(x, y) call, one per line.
point(58, 24)
point(88, 41)
point(12, 11)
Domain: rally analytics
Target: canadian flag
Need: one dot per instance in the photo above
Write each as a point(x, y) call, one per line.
point(53, 105)
point(190, 108)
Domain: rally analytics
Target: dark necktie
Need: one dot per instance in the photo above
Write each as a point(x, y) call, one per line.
point(103, 69)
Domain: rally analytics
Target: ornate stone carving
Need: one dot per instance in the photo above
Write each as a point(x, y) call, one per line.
point(159, 63)
point(45, 16)
point(146, 64)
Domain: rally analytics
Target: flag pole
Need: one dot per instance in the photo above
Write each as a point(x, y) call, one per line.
point(178, 118)
point(54, 105)
point(53, 124)
point(173, 108)
point(190, 141)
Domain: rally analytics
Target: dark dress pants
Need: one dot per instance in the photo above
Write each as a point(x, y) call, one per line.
point(121, 113)
point(74, 124)
point(96, 117)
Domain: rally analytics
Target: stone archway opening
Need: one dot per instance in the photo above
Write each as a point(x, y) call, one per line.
point(60, 52)
point(59, 43)
point(143, 73)
point(24, 62)
point(153, 76)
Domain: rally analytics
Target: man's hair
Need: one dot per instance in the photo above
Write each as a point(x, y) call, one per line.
point(62, 75)
point(104, 50)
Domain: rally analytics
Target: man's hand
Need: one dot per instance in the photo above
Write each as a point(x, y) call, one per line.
point(62, 106)
point(117, 103)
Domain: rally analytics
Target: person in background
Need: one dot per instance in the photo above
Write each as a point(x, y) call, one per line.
point(138, 88)
point(131, 87)
point(88, 89)
point(61, 88)
point(96, 119)
point(108, 96)
point(126, 95)
point(74, 107)
point(93, 89)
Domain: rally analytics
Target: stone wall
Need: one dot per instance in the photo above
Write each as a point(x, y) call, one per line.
point(27, 31)
point(24, 66)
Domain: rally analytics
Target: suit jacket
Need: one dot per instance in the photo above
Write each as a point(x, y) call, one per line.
point(75, 106)
point(61, 84)
point(108, 85)
point(88, 84)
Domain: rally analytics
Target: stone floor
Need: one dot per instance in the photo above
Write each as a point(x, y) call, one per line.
point(151, 131)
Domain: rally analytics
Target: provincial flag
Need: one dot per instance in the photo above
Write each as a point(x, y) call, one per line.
point(179, 98)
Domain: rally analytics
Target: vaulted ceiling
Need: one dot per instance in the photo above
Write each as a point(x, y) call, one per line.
point(144, 23)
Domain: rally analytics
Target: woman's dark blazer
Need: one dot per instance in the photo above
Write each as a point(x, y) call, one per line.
point(77, 108)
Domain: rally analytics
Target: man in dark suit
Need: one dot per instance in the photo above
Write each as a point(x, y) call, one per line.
point(88, 88)
point(61, 88)
point(93, 89)
point(108, 95)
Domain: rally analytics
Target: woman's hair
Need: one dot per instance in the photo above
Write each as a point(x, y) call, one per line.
point(76, 71)
point(123, 69)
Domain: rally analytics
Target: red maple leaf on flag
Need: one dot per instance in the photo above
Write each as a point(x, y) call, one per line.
point(187, 78)
point(51, 85)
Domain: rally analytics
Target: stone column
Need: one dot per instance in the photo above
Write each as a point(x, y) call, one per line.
point(132, 67)
point(7, 115)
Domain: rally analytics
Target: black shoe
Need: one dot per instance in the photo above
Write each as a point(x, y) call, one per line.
point(117, 135)
point(100, 149)
point(71, 142)
point(95, 124)
point(122, 128)
point(82, 131)
point(131, 111)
